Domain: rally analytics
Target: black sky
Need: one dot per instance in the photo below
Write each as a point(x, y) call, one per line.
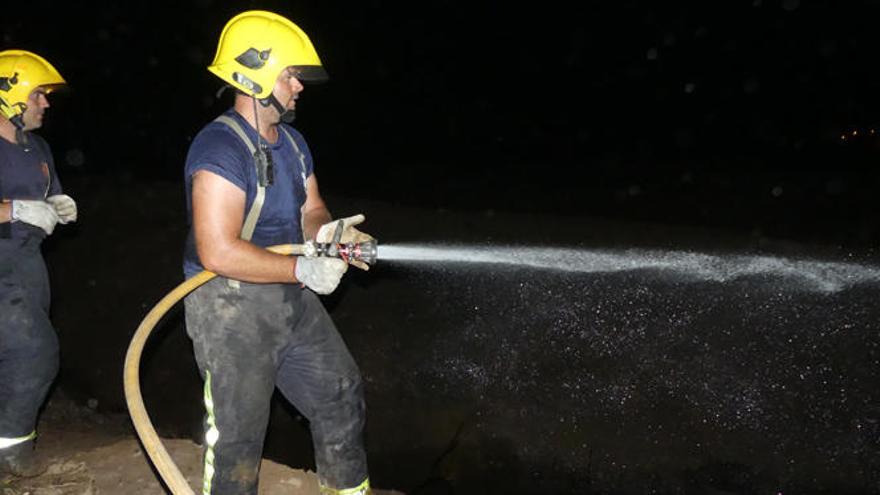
point(704, 112)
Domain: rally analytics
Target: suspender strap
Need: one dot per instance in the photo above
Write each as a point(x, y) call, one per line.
point(250, 221)
point(232, 123)
point(302, 172)
point(300, 155)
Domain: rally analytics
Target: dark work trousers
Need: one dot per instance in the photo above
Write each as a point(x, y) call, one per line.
point(28, 344)
point(253, 338)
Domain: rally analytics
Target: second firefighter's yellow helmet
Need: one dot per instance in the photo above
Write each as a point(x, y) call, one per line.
point(21, 72)
point(255, 46)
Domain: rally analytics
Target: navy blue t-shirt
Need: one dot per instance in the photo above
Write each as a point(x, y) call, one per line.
point(26, 173)
point(218, 149)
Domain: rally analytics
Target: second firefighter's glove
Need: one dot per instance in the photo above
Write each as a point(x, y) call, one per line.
point(320, 274)
point(35, 212)
point(65, 207)
point(327, 233)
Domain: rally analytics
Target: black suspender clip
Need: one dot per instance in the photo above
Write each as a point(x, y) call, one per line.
point(265, 167)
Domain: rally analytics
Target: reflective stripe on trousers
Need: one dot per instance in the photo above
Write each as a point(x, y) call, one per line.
point(362, 489)
point(9, 442)
point(211, 437)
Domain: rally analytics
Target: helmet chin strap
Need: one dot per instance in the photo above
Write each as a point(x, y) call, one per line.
point(287, 116)
point(22, 138)
point(18, 121)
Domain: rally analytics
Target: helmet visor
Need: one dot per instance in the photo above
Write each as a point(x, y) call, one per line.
point(311, 73)
point(51, 88)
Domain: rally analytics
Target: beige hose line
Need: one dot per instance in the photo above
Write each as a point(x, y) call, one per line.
point(131, 377)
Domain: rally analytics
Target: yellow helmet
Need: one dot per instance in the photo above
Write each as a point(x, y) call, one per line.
point(256, 46)
point(20, 73)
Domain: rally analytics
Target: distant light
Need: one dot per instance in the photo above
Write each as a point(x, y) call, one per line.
point(855, 132)
point(652, 54)
point(689, 88)
point(776, 191)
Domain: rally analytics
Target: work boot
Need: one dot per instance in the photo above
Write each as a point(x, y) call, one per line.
point(19, 461)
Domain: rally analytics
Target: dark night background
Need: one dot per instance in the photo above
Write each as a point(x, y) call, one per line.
point(752, 122)
point(725, 114)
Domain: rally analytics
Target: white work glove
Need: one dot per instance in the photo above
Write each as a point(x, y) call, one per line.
point(35, 212)
point(65, 207)
point(321, 274)
point(349, 234)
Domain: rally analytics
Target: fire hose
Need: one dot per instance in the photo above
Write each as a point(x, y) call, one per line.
point(174, 479)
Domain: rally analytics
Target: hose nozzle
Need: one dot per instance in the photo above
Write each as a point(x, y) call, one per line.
point(366, 252)
point(360, 251)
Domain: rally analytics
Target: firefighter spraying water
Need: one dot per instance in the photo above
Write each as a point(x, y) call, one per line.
point(253, 315)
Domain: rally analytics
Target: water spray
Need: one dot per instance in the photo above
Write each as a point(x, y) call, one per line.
point(807, 274)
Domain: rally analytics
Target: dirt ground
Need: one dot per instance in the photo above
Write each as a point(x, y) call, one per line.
point(88, 453)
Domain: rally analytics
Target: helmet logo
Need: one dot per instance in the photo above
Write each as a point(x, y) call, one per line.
point(247, 82)
point(6, 83)
point(253, 58)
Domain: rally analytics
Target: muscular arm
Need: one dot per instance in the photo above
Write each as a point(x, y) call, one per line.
point(218, 213)
point(314, 210)
point(5, 211)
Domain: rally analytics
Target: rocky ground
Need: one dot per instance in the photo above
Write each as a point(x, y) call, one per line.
point(90, 453)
